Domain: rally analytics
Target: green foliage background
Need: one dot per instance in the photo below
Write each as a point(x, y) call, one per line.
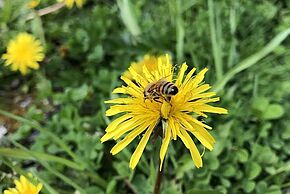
point(245, 45)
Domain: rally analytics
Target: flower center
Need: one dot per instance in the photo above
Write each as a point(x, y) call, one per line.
point(23, 52)
point(165, 109)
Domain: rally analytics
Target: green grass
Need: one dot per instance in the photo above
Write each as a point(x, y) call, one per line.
point(245, 45)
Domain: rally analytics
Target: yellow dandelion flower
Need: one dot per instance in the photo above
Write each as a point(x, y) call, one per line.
point(24, 186)
point(149, 61)
point(70, 3)
point(177, 114)
point(23, 52)
point(33, 4)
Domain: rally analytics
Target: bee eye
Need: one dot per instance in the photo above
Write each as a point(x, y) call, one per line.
point(174, 90)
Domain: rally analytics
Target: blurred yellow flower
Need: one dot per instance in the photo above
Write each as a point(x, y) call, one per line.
point(70, 3)
point(24, 186)
point(177, 115)
point(23, 52)
point(33, 3)
point(149, 61)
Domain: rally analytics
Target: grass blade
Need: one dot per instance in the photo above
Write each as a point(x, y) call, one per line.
point(52, 170)
point(129, 17)
point(253, 59)
point(49, 188)
point(215, 40)
point(179, 32)
point(19, 171)
point(42, 130)
point(18, 153)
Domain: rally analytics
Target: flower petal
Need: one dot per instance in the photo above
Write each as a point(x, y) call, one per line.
point(129, 138)
point(131, 84)
point(123, 128)
point(117, 121)
point(140, 148)
point(173, 127)
point(202, 135)
point(195, 155)
point(189, 75)
point(164, 145)
point(212, 109)
point(134, 124)
point(120, 90)
point(120, 101)
point(181, 74)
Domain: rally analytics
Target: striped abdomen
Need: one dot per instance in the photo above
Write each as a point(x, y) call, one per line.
point(167, 88)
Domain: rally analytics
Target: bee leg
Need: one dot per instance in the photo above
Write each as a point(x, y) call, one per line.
point(156, 99)
point(167, 98)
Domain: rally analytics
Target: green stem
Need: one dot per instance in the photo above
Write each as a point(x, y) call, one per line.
point(158, 179)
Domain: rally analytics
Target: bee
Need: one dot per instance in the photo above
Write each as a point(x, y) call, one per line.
point(160, 89)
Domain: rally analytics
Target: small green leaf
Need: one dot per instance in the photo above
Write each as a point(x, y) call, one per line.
point(213, 162)
point(242, 155)
point(248, 186)
point(273, 111)
point(37, 28)
point(186, 166)
point(141, 184)
point(274, 189)
point(228, 170)
point(6, 12)
point(261, 187)
point(253, 170)
point(97, 54)
point(170, 189)
point(286, 132)
point(111, 188)
point(260, 103)
point(225, 182)
point(79, 93)
point(122, 168)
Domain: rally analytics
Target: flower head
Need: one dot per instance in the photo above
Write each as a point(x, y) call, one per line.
point(23, 52)
point(70, 3)
point(149, 61)
point(33, 4)
point(24, 186)
point(177, 113)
